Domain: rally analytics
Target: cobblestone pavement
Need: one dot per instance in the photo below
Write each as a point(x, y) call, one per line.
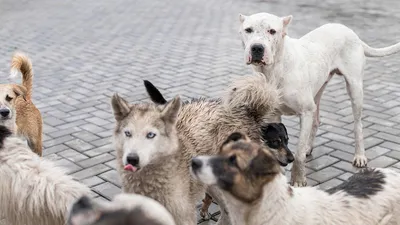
point(84, 51)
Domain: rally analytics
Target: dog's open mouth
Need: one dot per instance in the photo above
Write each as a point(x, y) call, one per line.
point(131, 168)
point(258, 63)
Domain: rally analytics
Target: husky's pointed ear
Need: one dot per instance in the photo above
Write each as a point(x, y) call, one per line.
point(154, 93)
point(120, 107)
point(171, 110)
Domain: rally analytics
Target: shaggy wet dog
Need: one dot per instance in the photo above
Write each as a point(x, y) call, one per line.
point(33, 190)
point(257, 192)
point(155, 142)
point(125, 209)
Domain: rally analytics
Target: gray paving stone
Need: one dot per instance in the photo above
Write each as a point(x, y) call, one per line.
point(342, 155)
point(111, 176)
point(322, 162)
point(382, 161)
point(73, 155)
point(330, 184)
point(375, 152)
point(107, 190)
point(345, 176)
point(325, 174)
point(95, 160)
point(92, 181)
point(69, 166)
point(91, 171)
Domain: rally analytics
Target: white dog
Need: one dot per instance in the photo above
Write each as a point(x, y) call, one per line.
point(33, 191)
point(304, 67)
point(257, 193)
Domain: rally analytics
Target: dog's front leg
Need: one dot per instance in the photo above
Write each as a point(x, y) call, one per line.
point(298, 177)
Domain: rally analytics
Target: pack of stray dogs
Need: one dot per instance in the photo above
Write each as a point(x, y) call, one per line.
point(232, 150)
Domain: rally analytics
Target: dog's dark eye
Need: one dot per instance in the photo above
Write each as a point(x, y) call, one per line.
point(232, 160)
point(248, 30)
point(274, 143)
point(272, 31)
point(150, 135)
point(8, 98)
point(128, 134)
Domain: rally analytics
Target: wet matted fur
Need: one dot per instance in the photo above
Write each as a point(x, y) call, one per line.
point(257, 192)
point(125, 209)
point(198, 127)
point(33, 190)
point(16, 101)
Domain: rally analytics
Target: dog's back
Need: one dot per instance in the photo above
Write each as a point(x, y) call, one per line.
point(32, 189)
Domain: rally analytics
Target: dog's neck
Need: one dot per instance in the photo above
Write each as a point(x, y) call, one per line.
point(282, 61)
point(269, 209)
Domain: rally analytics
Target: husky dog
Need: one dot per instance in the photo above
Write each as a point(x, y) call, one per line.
point(257, 192)
point(33, 190)
point(155, 142)
point(125, 209)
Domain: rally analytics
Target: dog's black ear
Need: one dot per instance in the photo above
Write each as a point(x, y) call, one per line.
point(154, 93)
point(4, 133)
point(120, 107)
point(269, 131)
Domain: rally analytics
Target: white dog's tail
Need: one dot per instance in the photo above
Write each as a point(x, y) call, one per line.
point(379, 52)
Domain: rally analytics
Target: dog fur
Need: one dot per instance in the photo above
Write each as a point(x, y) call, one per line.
point(17, 101)
point(197, 127)
point(125, 209)
point(257, 192)
point(32, 189)
point(303, 68)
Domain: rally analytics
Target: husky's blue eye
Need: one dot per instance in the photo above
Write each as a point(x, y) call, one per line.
point(128, 134)
point(150, 135)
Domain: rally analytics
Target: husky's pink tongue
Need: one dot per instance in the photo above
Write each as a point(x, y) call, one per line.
point(129, 167)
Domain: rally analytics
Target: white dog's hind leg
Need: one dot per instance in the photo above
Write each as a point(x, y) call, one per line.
point(355, 90)
point(316, 117)
point(298, 178)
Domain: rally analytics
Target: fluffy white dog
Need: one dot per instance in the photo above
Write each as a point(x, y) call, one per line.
point(33, 191)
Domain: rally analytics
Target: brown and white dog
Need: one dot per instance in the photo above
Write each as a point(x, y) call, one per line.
point(16, 105)
point(256, 191)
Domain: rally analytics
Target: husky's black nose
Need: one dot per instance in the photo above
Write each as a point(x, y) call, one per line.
point(133, 159)
point(196, 163)
point(4, 112)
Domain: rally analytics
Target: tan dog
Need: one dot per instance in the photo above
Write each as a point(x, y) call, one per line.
point(16, 105)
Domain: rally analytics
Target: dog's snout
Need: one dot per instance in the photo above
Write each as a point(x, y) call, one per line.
point(290, 157)
point(4, 112)
point(196, 163)
point(82, 203)
point(257, 50)
point(133, 159)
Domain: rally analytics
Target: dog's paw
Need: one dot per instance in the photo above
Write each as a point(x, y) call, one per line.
point(298, 183)
point(205, 215)
point(360, 161)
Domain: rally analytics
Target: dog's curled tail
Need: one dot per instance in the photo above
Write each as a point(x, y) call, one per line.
point(21, 63)
point(260, 95)
point(380, 52)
